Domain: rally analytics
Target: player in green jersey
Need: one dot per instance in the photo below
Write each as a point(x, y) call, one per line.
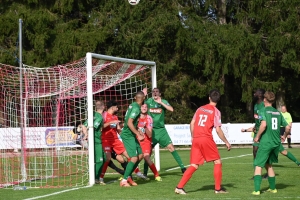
point(268, 136)
point(288, 118)
point(99, 155)
point(259, 105)
point(156, 109)
point(130, 137)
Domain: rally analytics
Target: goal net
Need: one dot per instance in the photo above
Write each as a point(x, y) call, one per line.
point(40, 145)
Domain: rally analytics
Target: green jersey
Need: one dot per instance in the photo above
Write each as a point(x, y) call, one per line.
point(132, 112)
point(257, 116)
point(157, 112)
point(98, 124)
point(274, 120)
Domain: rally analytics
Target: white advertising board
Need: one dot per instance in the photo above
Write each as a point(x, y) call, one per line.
point(180, 134)
point(37, 137)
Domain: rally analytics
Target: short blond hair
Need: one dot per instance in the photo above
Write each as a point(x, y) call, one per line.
point(270, 96)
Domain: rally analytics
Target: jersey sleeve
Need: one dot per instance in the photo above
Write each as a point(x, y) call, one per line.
point(217, 118)
point(290, 120)
point(283, 121)
point(85, 123)
point(149, 123)
point(262, 115)
point(135, 112)
point(98, 121)
point(165, 102)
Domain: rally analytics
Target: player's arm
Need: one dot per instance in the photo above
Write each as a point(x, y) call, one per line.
point(251, 129)
point(192, 125)
point(222, 137)
point(138, 134)
point(262, 128)
point(85, 132)
point(287, 130)
point(148, 128)
point(165, 104)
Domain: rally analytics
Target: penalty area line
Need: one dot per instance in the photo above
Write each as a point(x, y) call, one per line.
point(57, 193)
point(221, 159)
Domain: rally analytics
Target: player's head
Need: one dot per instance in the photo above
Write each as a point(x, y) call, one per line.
point(259, 94)
point(155, 93)
point(139, 97)
point(283, 109)
point(99, 105)
point(214, 95)
point(144, 109)
point(269, 97)
point(112, 107)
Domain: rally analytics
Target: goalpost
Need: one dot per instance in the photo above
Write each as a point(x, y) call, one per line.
point(55, 101)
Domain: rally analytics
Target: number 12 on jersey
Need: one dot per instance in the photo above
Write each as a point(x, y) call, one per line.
point(202, 120)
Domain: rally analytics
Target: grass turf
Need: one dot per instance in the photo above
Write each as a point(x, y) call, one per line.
point(237, 170)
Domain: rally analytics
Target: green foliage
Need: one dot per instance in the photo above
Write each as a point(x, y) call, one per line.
point(258, 47)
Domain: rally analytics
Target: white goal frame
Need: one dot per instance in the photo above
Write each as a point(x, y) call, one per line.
point(89, 57)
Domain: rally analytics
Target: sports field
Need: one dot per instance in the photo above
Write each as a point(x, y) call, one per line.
point(237, 170)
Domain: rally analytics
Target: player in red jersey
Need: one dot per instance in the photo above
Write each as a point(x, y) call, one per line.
point(204, 148)
point(145, 125)
point(110, 140)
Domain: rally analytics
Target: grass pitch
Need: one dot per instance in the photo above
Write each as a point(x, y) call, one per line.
point(237, 170)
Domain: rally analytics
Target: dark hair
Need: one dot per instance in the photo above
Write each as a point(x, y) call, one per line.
point(262, 91)
point(214, 95)
point(111, 103)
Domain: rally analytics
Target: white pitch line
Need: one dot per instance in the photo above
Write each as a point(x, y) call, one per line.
point(221, 159)
point(56, 193)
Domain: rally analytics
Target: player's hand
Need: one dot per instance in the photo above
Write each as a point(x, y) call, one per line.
point(283, 139)
point(157, 100)
point(115, 121)
point(145, 90)
point(228, 145)
point(141, 137)
point(256, 139)
point(243, 130)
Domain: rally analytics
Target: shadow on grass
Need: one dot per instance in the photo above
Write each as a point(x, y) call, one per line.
point(279, 186)
point(212, 187)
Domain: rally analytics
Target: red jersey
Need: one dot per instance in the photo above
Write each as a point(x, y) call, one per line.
point(109, 133)
point(146, 122)
point(206, 117)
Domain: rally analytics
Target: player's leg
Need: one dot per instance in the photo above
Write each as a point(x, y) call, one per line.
point(289, 155)
point(273, 158)
point(165, 141)
point(130, 146)
point(155, 141)
point(289, 140)
point(107, 147)
point(196, 159)
point(260, 162)
point(99, 160)
point(147, 149)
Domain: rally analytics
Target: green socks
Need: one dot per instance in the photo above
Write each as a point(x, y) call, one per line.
point(292, 158)
point(177, 158)
point(129, 170)
point(272, 182)
point(257, 182)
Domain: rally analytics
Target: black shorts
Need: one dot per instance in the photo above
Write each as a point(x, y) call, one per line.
point(282, 130)
point(113, 155)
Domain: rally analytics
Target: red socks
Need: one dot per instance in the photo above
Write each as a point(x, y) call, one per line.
point(186, 176)
point(104, 168)
point(154, 170)
point(218, 176)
